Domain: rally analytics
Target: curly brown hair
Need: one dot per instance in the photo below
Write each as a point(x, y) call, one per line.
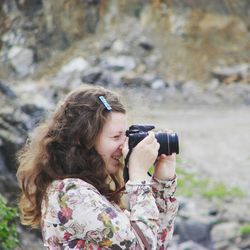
point(63, 147)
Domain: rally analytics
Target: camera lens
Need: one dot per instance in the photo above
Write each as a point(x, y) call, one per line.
point(168, 143)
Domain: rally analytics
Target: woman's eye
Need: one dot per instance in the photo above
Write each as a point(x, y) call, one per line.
point(116, 136)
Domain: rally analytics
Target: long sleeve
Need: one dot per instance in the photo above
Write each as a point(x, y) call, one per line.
point(143, 210)
point(167, 204)
point(76, 216)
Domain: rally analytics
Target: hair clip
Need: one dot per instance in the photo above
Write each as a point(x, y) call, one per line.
point(104, 102)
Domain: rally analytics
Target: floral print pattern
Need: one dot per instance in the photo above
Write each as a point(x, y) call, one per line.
point(76, 216)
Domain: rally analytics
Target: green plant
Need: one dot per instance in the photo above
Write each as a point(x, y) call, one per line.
point(219, 190)
point(8, 233)
point(245, 230)
point(190, 184)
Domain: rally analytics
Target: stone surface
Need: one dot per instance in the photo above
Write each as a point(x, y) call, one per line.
point(22, 60)
point(231, 74)
point(76, 64)
point(225, 231)
point(120, 63)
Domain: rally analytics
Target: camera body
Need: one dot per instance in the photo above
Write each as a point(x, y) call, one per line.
point(169, 142)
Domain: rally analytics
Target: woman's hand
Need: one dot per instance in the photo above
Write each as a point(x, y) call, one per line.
point(142, 158)
point(165, 166)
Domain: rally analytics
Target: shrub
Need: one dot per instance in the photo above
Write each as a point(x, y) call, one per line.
point(245, 230)
point(8, 233)
point(191, 183)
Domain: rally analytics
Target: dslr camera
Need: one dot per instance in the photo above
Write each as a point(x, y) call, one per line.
point(168, 141)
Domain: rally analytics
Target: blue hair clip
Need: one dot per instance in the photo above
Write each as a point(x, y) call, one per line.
point(104, 102)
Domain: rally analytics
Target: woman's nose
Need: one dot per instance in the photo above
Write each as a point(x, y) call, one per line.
point(122, 142)
point(120, 146)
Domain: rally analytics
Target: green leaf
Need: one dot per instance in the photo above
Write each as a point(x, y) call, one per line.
point(8, 233)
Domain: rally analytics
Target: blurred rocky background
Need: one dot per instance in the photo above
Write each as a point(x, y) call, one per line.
point(181, 63)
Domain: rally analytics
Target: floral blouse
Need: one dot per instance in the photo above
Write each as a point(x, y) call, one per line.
point(76, 216)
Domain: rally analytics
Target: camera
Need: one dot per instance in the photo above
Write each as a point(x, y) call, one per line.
point(168, 141)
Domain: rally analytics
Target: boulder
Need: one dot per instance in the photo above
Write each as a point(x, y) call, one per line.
point(120, 63)
point(231, 73)
point(224, 234)
point(22, 60)
point(195, 231)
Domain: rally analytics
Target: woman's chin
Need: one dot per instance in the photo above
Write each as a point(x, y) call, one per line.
point(114, 168)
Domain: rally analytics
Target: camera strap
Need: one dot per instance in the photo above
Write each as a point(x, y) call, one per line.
point(138, 231)
point(142, 239)
point(125, 170)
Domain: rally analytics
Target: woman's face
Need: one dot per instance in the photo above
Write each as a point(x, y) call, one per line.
point(110, 141)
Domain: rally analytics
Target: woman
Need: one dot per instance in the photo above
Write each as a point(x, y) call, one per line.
point(70, 176)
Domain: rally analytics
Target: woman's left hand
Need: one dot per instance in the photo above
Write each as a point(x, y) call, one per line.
point(165, 167)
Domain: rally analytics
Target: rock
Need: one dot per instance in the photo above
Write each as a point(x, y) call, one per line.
point(194, 230)
point(107, 79)
point(225, 231)
point(101, 77)
point(8, 187)
point(224, 245)
point(212, 85)
point(232, 73)
point(234, 93)
point(92, 77)
point(141, 69)
point(190, 245)
point(13, 119)
point(120, 63)
point(135, 82)
point(66, 82)
point(158, 84)
point(41, 98)
point(178, 23)
point(70, 74)
point(149, 77)
point(191, 92)
point(29, 239)
point(6, 90)
point(22, 60)
point(13, 132)
point(120, 47)
point(151, 61)
point(17, 118)
point(77, 64)
point(34, 111)
point(187, 208)
point(40, 101)
point(191, 88)
point(3, 167)
point(146, 44)
point(245, 243)
point(231, 213)
point(13, 38)
point(104, 45)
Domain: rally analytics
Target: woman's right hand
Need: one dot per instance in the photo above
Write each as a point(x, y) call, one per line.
point(143, 157)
